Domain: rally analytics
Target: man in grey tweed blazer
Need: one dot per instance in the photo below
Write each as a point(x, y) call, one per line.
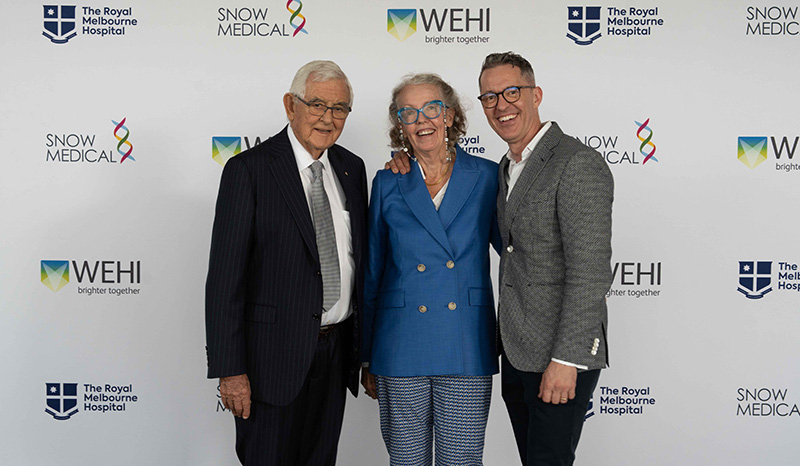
point(554, 211)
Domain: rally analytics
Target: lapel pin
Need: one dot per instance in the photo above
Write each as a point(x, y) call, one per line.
point(346, 174)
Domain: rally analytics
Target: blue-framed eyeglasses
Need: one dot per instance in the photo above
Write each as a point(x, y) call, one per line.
point(431, 110)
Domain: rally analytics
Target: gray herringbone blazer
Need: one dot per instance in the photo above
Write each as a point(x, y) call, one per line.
point(555, 268)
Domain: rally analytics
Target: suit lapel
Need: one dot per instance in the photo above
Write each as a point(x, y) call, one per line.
point(346, 174)
point(414, 192)
point(536, 162)
point(287, 178)
point(502, 192)
point(462, 182)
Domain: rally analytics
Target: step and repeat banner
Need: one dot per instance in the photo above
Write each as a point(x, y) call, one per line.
point(118, 116)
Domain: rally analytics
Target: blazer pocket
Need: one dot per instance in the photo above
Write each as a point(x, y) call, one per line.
point(394, 298)
point(259, 313)
point(481, 297)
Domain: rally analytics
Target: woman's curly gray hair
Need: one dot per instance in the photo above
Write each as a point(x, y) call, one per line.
point(448, 95)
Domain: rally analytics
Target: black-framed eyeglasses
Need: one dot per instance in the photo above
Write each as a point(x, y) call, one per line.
point(511, 94)
point(431, 110)
point(318, 108)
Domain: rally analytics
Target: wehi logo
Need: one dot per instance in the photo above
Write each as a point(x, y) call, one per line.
point(754, 150)
point(55, 274)
point(59, 23)
point(223, 148)
point(402, 24)
point(448, 25)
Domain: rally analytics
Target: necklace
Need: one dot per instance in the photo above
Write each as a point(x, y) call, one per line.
point(441, 177)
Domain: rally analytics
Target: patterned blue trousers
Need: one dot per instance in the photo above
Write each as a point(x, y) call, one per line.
point(450, 410)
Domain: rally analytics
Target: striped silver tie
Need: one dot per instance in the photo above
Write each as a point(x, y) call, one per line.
point(326, 239)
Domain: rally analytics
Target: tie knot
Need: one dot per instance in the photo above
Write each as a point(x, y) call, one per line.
point(316, 169)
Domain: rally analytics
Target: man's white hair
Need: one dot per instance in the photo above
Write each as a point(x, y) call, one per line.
point(319, 71)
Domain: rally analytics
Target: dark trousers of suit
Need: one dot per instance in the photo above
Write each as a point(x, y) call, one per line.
point(546, 434)
point(306, 431)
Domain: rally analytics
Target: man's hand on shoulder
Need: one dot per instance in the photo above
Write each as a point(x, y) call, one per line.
point(558, 383)
point(399, 163)
point(235, 393)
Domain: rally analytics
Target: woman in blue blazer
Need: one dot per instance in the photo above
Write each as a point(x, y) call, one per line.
point(428, 330)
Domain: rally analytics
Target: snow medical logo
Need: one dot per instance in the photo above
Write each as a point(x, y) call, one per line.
point(755, 278)
point(59, 23)
point(402, 24)
point(55, 274)
point(225, 147)
point(583, 24)
point(62, 400)
point(296, 14)
point(648, 155)
point(123, 140)
point(752, 150)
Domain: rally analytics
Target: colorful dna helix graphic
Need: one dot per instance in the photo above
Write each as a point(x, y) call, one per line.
point(296, 14)
point(646, 141)
point(123, 140)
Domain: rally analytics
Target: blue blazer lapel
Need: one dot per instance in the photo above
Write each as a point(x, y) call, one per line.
point(462, 182)
point(418, 199)
point(284, 171)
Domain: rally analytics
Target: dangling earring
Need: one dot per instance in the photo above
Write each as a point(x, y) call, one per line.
point(403, 143)
point(446, 139)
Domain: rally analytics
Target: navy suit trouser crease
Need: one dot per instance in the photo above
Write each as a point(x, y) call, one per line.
point(546, 434)
point(306, 431)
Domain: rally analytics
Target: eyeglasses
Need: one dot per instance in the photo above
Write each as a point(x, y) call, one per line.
point(431, 110)
point(318, 108)
point(511, 94)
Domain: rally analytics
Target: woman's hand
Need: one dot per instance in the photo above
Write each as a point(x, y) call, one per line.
point(368, 382)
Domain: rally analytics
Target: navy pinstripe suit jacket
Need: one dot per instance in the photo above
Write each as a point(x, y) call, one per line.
point(264, 290)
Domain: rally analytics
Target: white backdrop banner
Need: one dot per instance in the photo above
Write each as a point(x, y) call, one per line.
point(118, 116)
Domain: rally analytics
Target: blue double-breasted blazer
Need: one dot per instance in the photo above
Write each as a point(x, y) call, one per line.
point(429, 306)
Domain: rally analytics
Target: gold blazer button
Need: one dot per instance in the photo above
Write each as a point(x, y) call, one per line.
point(423, 308)
point(452, 306)
point(450, 264)
point(421, 267)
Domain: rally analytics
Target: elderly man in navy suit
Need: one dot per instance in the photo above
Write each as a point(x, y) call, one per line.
point(285, 279)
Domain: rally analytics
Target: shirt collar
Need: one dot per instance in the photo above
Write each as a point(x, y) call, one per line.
point(301, 155)
point(531, 145)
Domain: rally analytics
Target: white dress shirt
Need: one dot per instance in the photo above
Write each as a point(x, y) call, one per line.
point(341, 225)
point(514, 170)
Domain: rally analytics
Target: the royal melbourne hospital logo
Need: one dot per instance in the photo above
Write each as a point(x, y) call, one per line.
point(59, 23)
point(62, 400)
point(583, 24)
point(755, 278)
point(402, 24)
